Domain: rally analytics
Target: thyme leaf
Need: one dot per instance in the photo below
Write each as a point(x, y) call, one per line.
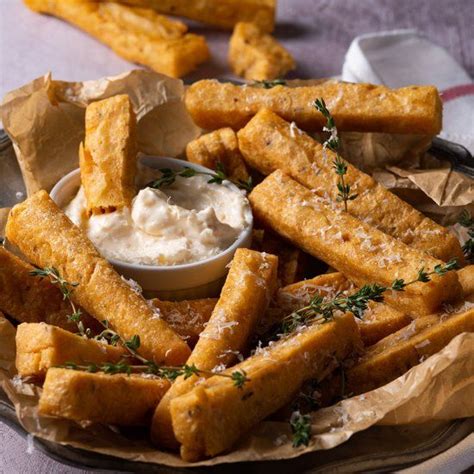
point(266, 84)
point(134, 343)
point(240, 378)
point(301, 429)
point(467, 221)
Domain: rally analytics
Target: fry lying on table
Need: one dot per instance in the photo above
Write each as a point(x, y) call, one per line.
point(393, 300)
point(220, 13)
point(257, 56)
point(137, 34)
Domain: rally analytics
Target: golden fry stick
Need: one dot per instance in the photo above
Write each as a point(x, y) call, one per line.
point(216, 147)
point(269, 143)
point(466, 278)
point(160, 50)
point(40, 346)
point(355, 107)
point(119, 399)
point(187, 318)
point(393, 356)
point(244, 298)
point(378, 321)
point(48, 238)
point(30, 299)
point(142, 20)
point(215, 414)
point(289, 264)
point(361, 252)
point(108, 157)
point(221, 13)
point(258, 56)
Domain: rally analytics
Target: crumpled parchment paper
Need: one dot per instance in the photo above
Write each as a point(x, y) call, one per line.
point(45, 120)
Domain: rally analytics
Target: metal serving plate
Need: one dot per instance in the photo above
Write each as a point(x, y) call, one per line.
point(378, 449)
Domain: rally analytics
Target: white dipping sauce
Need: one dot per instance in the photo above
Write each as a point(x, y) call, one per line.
point(186, 222)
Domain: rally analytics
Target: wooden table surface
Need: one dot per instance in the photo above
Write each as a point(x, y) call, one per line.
point(317, 32)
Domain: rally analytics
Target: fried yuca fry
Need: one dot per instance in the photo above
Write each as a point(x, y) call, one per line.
point(244, 298)
point(217, 147)
point(256, 55)
point(47, 237)
point(30, 299)
point(378, 321)
point(466, 278)
point(143, 20)
point(269, 143)
point(362, 253)
point(221, 13)
point(108, 157)
point(355, 107)
point(187, 318)
point(40, 346)
point(173, 56)
point(118, 399)
point(210, 418)
point(394, 355)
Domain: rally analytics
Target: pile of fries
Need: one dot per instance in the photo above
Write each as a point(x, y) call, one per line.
point(138, 31)
point(200, 374)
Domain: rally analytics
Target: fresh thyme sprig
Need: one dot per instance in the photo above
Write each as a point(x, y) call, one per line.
point(301, 429)
point(168, 177)
point(333, 142)
point(66, 289)
point(265, 84)
point(321, 310)
point(239, 377)
point(466, 220)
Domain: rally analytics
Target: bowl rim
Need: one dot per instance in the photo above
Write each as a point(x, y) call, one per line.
point(142, 158)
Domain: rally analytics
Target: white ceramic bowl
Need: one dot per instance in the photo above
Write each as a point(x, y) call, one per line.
point(193, 280)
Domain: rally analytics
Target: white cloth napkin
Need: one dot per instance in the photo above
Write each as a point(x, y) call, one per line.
point(405, 57)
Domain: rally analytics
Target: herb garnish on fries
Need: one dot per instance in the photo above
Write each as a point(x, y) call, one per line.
point(169, 176)
point(332, 143)
point(466, 220)
point(132, 345)
point(266, 84)
point(319, 310)
point(66, 289)
point(301, 429)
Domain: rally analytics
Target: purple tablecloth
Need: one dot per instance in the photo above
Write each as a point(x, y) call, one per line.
point(317, 32)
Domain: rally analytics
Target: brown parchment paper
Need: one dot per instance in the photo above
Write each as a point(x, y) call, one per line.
point(440, 388)
point(45, 120)
point(369, 151)
point(430, 185)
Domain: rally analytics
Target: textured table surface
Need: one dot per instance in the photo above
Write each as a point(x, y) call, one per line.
point(317, 32)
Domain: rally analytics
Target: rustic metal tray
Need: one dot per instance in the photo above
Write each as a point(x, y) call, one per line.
point(378, 449)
